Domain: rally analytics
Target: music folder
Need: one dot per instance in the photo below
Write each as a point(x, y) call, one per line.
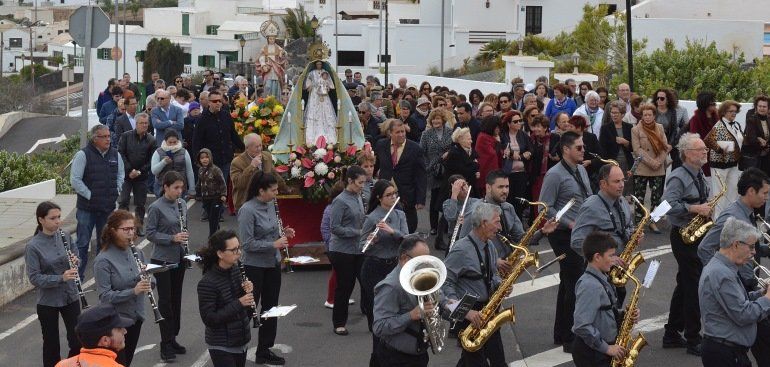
point(460, 309)
point(155, 268)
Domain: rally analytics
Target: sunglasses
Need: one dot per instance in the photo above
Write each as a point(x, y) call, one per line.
point(661, 98)
point(215, 101)
point(515, 121)
point(161, 98)
point(177, 81)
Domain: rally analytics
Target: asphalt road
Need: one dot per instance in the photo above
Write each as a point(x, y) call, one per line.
point(23, 136)
point(305, 337)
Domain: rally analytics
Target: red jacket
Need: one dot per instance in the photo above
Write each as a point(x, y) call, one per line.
point(97, 357)
point(701, 125)
point(489, 157)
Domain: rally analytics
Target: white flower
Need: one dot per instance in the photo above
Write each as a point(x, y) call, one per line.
point(337, 159)
point(321, 168)
point(297, 163)
point(293, 156)
point(319, 153)
point(329, 147)
point(295, 172)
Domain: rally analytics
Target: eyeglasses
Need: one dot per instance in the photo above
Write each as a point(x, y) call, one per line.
point(127, 229)
point(704, 149)
point(661, 98)
point(161, 98)
point(515, 121)
point(215, 101)
point(102, 136)
point(752, 246)
point(234, 250)
point(177, 81)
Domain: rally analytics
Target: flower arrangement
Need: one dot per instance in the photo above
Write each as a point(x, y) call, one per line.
point(316, 169)
point(262, 117)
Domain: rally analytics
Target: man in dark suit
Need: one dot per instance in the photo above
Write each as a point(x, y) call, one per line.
point(402, 161)
point(126, 121)
point(149, 88)
point(215, 131)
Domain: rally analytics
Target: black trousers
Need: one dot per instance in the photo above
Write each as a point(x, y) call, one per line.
point(126, 355)
point(684, 311)
point(411, 217)
point(491, 354)
point(435, 207)
point(714, 354)
point(49, 325)
point(348, 269)
point(761, 347)
point(267, 288)
point(585, 356)
point(570, 270)
point(517, 182)
point(170, 284)
point(390, 357)
point(213, 208)
point(220, 358)
point(373, 270)
point(139, 188)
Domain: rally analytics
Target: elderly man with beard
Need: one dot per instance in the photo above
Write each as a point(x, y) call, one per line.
point(248, 163)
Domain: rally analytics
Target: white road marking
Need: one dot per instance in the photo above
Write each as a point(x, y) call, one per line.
point(556, 356)
point(40, 142)
point(143, 348)
point(202, 360)
point(31, 318)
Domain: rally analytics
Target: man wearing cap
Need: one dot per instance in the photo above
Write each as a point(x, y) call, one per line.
point(421, 112)
point(102, 333)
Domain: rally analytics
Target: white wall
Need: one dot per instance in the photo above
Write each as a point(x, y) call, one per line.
point(561, 15)
point(747, 36)
point(704, 9)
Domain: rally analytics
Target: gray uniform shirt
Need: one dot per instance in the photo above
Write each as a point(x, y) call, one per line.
point(593, 216)
point(347, 219)
point(709, 245)
point(559, 186)
point(162, 224)
point(385, 245)
point(46, 261)
point(116, 276)
point(258, 229)
point(681, 192)
point(510, 222)
point(391, 315)
point(594, 320)
point(726, 309)
point(464, 273)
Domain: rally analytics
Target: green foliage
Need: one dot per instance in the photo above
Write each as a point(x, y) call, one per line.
point(58, 161)
point(695, 68)
point(297, 23)
point(107, 6)
point(164, 57)
point(491, 52)
point(17, 170)
point(39, 70)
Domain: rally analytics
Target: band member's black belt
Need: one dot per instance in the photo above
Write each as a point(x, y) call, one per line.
point(726, 343)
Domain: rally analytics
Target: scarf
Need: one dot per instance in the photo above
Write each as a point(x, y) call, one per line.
point(545, 142)
point(651, 130)
point(424, 114)
point(173, 148)
point(591, 115)
point(560, 104)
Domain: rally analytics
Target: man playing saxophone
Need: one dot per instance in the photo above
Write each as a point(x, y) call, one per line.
point(397, 315)
point(470, 269)
point(596, 313)
point(687, 192)
point(605, 211)
point(753, 188)
point(730, 314)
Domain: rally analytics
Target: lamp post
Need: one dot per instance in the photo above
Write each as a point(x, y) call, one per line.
point(26, 23)
point(136, 57)
point(314, 25)
point(575, 61)
point(242, 42)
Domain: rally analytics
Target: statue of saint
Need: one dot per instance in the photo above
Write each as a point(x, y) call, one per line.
point(272, 61)
point(320, 113)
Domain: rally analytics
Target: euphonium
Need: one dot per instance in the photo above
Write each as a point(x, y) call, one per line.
point(423, 277)
point(701, 224)
point(617, 275)
point(471, 338)
point(624, 340)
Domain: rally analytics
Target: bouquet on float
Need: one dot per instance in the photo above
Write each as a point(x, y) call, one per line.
point(262, 117)
point(316, 169)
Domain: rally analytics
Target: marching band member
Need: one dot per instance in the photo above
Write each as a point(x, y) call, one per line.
point(49, 271)
point(344, 251)
point(730, 314)
point(605, 211)
point(563, 182)
point(470, 270)
point(753, 188)
point(596, 312)
point(118, 278)
point(262, 241)
point(397, 315)
point(165, 232)
point(687, 193)
point(224, 301)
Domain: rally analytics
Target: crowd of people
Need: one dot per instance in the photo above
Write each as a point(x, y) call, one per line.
point(558, 145)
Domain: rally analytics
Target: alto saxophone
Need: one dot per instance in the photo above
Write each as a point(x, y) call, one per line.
point(524, 242)
point(472, 338)
point(605, 161)
point(701, 224)
point(635, 345)
point(617, 275)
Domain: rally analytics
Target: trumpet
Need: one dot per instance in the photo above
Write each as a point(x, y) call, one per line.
point(767, 227)
point(254, 313)
point(377, 229)
point(282, 233)
point(460, 216)
point(78, 285)
point(183, 228)
point(143, 275)
point(423, 277)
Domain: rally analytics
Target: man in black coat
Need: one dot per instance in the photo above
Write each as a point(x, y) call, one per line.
point(403, 162)
point(215, 131)
point(127, 120)
point(136, 147)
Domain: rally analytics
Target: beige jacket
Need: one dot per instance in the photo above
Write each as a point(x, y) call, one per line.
point(241, 172)
point(651, 164)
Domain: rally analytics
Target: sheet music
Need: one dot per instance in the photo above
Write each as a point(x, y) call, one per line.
point(303, 260)
point(278, 311)
point(564, 210)
point(660, 211)
point(651, 272)
point(153, 267)
point(193, 258)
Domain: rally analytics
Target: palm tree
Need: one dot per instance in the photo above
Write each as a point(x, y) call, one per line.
point(492, 50)
point(297, 23)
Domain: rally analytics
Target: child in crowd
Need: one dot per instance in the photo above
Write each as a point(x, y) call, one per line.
point(211, 188)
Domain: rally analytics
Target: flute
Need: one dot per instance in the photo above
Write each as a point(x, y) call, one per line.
point(244, 278)
point(183, 228)
point(460, 216)
point(282, 233)
point(78, 285)
point(377, 229)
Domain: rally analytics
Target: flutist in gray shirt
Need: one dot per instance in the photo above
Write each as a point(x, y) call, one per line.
point(262, 240)
point(397, 326)
point(565, 181)
point(49, 271)
point(730, 314)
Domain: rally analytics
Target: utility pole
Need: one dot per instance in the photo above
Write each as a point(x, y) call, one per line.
point(125, 52)
point(387, 56)
point(115, 19)
point(441, 67)
point(629, 46)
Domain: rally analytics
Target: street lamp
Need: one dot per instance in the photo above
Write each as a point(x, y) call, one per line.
point(26, 23)
point(242, 42)
point(575, 61)
point(136, 57)
point(520, 43)
point(314, 25)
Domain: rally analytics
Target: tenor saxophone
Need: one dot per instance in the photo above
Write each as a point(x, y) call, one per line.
point(618, 275)
point(514, 257)
point(624, 339)
point(472, 338)
point(701, 224)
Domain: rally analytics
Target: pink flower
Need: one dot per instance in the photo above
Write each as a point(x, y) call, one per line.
point(367, 147)
point(309, 181)
point(282, 169)
point(330, 175)
point(293, 156)
point(301, 150)
point(320, 142)
point(307, 163)
point(337, 159)
point(329, 156)
point(351, 150)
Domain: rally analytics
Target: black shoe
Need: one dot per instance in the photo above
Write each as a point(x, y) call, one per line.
point(694, 349)
point(167, 352)
point(673, 341)
point(178, 348)
point(270, 358)
point(567, 347)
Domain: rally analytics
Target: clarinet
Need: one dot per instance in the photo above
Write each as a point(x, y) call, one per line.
point(283, 234)
point(254, 313)
point(144, 276)
point(83, 303)
point(183, 228)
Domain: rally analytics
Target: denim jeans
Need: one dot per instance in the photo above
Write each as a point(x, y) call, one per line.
point(87, 222)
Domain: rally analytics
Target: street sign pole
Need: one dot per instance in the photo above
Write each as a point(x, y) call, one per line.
point(86, 79)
